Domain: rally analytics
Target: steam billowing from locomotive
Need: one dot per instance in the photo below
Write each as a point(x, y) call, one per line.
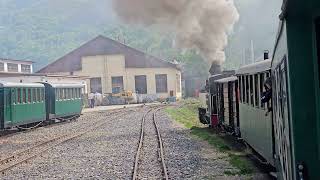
point(199, 24)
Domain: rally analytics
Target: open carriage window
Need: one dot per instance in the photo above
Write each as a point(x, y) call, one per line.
point(261, 87)
point(251, 91)
point(247, 89)
point(256, 90)
point(29, 95)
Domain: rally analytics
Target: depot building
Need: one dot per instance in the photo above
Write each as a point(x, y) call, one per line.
point(113, 67)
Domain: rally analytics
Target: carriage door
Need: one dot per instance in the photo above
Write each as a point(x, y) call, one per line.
point(281, 120)
point(231, 100)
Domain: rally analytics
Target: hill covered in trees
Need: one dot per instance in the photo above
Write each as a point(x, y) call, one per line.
point(44, 30)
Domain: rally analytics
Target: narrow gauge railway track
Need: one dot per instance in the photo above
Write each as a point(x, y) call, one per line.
point(159, 144)
point(27, 154)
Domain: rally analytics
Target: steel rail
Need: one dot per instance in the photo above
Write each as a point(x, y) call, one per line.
point(136, 162)
point(164, 167)
point(137, 157)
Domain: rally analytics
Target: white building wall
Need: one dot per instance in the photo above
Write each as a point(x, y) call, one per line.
point(108, 66)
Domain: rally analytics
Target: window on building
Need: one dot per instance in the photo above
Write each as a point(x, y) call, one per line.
point(12, 67)
point(1, 66)
point(117, 84)
point(141, 84)
point(95, 85)
point(25, 68)
point(178, 83)
point(161, 83)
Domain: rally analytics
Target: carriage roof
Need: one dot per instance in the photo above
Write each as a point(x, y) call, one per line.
point(228, 79)
point(254, 68)
point(27, 85)
point(66, 85)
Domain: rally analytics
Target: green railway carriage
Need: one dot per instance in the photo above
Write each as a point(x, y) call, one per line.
point(296, 90)
point(63, 100)
point(21, 104)
point(255, 126)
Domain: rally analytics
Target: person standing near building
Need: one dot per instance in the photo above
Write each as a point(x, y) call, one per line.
point(91, 98)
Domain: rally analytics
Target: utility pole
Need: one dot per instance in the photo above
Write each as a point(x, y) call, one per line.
point(252, 52)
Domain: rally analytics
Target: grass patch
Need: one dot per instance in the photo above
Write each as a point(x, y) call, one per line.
point(187, 114)
point(241, 163)
point(211, 138)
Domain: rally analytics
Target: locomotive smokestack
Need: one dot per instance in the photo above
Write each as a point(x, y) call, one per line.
point(215, 69)
point(266, 55)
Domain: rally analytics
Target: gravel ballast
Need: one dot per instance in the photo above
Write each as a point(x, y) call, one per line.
point(108, 152)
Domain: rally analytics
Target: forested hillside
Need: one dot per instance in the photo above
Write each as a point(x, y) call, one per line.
point(44, 30)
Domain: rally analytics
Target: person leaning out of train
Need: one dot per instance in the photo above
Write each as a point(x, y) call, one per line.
point(267, 94)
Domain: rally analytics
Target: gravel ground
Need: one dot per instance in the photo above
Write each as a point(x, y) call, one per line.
point(22, 140)
point(187, 158)
point(109, 151)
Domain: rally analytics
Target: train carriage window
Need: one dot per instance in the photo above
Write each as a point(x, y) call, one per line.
point(240, 86)
point(18, 95)
point(34, 95)
point(24, 95)
point(76, 92)
point(251, 91)
point(38, 95)
point(72, 93)
point(57, 95)
point(42, 95)
point(29, 95)
point(79, 93)
point(13, 96)
point(66, 93)
point(60, 94)
point(261, 87)
point(247, 89)
point(243, 89)
point(256, 90)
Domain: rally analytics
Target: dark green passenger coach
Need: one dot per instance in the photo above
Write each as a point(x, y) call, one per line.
point(21, 103)
point(63, 100)
point(296, 88)
point(255, 125)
